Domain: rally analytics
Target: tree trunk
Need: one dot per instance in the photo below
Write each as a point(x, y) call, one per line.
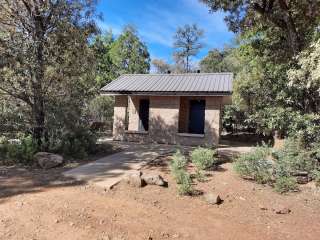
point(39, 120)
point(286, 22)
point(187, 64)
point(292, 33)
point(38, 95)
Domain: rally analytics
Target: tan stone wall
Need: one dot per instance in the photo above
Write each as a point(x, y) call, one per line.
point(163, 123)
point(120, 107)
point(164, 120)
point(212, 126)
point(133, 113)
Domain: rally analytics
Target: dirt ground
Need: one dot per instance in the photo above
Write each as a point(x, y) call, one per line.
point(42, 205)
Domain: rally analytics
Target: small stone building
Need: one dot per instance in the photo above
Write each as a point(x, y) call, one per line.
point(180, 109)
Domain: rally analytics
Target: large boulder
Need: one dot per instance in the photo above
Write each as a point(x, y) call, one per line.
point(48, 160)
point(153, 179)
point(134, 179)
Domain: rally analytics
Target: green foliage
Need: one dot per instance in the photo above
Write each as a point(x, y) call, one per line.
point(305, 127)
point(182, 177)
point(315, 151)
point(203, 158)
point(105, 68)
point(272, 119)
point(177, 166)
point(48, 71)
point(220, 61)
point(185, 185)
point(178, 161)
point(285, 27)
point(129, 54)
point(289, 123)
point(259, 83)
point(292, 158)
point(278, 54)
point(304, 78)
point(316, 177)
point(78, 143)
point(200, 175)
point(285, 184)
point(100, 109)
point(20, 151)
point(255, 165)
point(178, 175)
point(235, 119)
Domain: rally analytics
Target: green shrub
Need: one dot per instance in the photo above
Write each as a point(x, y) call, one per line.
point(293, 157)
point(285, 184)
point(178, 161)
point(177, 166)
point(78, 143)
point(270, 119)
point(200, 176)
point(21, 151)
point(181, 176)
point(316, 177)
point(203, 158)
point(255, 165)
point(305, 127)
point(315, 151)
point(185, 186)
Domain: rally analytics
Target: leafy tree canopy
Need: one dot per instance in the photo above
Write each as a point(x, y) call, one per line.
point(46, 64)
point(220, 61)
point(287, 24)
point(101, 46)
point(129, 54)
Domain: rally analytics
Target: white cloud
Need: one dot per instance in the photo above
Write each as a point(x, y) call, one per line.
point(157, 21)
point(116, 29)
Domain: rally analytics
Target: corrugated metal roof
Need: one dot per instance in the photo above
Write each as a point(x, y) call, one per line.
point(204, 83)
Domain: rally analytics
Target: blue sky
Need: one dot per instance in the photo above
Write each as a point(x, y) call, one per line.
point(157, 21)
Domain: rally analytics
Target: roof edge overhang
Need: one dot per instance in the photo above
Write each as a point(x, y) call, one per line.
point(117, 93)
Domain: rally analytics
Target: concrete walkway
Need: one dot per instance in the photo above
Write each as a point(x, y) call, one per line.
point(108, 171)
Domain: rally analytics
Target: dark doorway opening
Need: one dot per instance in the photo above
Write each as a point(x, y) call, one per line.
point(144, 115)
point(197, 116)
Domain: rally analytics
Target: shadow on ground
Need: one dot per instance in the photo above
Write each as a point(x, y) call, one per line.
point(15, 180)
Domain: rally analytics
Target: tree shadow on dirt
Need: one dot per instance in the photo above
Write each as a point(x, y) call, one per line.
point(15, 180)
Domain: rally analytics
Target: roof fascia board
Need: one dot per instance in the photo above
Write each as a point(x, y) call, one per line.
point(167, 93)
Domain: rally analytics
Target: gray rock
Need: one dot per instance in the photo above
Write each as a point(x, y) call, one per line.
point(48, 160)
point(300, 173)
point(283, 211)
point(153, 179)
point(212, 198)
point(303, 179)
point(134, 179)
